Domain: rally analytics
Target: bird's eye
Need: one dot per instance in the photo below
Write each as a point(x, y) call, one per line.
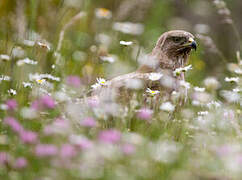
point(176, 39)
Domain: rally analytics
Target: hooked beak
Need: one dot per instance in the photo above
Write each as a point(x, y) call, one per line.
point(191, 43)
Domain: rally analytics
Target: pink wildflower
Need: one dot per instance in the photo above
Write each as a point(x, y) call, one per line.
point(93, 102)
point(89, 122)
point(4, 158)
point(28, 137)
point(145, 114)
point(110, 136)
point(128, 149)
point(14, 124)
point(47, 101)
point(73, 81)
point(11, 104)
point(20, 163)
point(42, 150)
point(67, 151)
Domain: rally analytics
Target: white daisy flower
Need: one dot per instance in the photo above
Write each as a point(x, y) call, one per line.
point(101, 81)
point(12, 92)
point(232, 79)
point(26, 61)
point(95, 86)
point(155, 76)
point(152, 92)
point(27, 84)
point(178, 71)
point(126, 43)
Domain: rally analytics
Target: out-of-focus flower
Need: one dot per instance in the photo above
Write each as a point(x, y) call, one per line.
point(110, 59)
point(167, 106)
point(103, 39)
point(36, 76)
point(93, 102)
point(4, 78)
point(155, 76)
point(11, 104)
point(44, 45)
point(12, 92)
point(211, 83)
point(14, 124)
point(4, 158)
point(126, 43)
point(129, 28)
point(4, 57)
point(27, 84)
point(29, 43)
point(152, 92)
point(230, 96)
point(128, 149)
point(238, 71)
point(184, 84)
point(178, 71)
point(81, 142)
point(145, 113)
point(59, 126)
point(73, 81)
point(202, 113)
point(232, 79)
point(20, 163)
point(199, 89)
point(89, 122)
point(103, 13)
point(43, 150)
point(28, 137)
point(109, 136)
point(26, 61)
point(67, 151)
point(133, 84)
point(214, 104)
point(47, 101)
point(202, 97)
point(18, 52)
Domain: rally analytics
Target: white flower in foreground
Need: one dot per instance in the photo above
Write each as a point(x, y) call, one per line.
point(155, 76)
point(126, 43)
point(202, 113)
point(152, 92)
point(198, 89)
point(211, 83)
point(232, 79)
point(4, 57)
point(238, 71)
point(29, 43)
point(109, 59)
point(129, 27)
point(185, 84)
point(40, 81)
point(36, 76)
point(102, 81)
point(12, 92)
point(28, 113)
point(26, 61)
point(237, 90)
point(95, 86)
point(178, 71)
point(213, 104)
point(4, 78)
point(103, 13)
point(44, 45)
point(167, 106)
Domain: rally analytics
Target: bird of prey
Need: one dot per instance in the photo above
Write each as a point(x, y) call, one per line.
point(170, 52)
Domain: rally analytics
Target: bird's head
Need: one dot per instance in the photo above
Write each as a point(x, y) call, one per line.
point(174, 47)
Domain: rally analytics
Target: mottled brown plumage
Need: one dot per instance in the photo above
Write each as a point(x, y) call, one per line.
point(170, 52)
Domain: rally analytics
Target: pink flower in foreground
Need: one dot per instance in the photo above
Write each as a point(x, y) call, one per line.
point(35, 105)
point(93, 102)
point(89, 122)
point(47, 101)
point(128, 149)
point(67, 151)
point(4, 158)
point(42, 150)
point(14, 124)
point(145, 113)
point(28, 137)
point(110, 136)
point(11, 104)
point(73, 81)
point(20, 163)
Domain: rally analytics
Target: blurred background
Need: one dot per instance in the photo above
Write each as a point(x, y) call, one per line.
point(89, 41)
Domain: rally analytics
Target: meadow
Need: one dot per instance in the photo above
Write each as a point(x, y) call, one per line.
point(53, 53)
